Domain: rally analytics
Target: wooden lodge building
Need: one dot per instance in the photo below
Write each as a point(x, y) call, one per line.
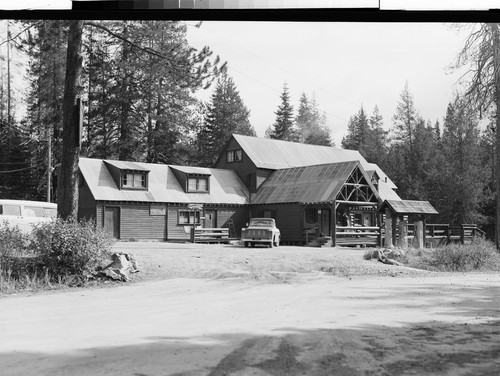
point(311, 191)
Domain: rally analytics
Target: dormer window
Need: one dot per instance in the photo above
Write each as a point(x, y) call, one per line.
point(134, 180)
point(234, 155)
point(197, 184)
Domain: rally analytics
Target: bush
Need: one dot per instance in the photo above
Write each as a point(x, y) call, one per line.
point(71, 249)
point(13, 242)
point(480, 255)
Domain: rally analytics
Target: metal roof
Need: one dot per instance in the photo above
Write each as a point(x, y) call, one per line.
point(192, 170)
point(277, 154)
point(163, 186)
point(409, 207)
point(308, 184)
point(124, 165)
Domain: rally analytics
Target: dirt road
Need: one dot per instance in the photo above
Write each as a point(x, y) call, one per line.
point(314, 324)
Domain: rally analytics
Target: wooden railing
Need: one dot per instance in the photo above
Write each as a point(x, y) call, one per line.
point(438, 234)
point(210, 235)
point(357, 235)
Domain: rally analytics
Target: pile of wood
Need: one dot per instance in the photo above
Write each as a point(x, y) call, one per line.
point(386, 256)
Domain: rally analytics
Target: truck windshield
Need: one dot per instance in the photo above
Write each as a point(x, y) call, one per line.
point(262, 222)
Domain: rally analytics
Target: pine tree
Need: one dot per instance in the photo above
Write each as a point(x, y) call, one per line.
point(357, 132)
point(376, 145)
point(311, 123)
point(226, 115)
point(405, 119)
point(463, 173)
point(283, 127)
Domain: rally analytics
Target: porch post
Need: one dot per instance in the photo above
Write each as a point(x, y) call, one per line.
point(388, 228)
point(403, 235)
point(334, 224)
point(395, 221)
point(419, 232)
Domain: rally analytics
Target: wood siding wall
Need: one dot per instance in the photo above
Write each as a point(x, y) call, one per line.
point(137, 223)
point(86, 202)
point(239, 215)
point(288, 219)
point(243, 168)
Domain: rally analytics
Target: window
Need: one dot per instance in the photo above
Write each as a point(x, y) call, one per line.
point(135, 180)
point(187, 217)
point(234, 155)
point(32, 211)
point(197, 184)
point(311, 215)
point(10, 210)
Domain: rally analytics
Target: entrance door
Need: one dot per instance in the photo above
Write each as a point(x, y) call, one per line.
point(324, 224)
point(112, 221)
point(210, 219)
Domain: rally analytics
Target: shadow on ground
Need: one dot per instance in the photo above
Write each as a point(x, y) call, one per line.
point(427, 348)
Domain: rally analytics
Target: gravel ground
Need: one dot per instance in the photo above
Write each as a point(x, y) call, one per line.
point(218, 261)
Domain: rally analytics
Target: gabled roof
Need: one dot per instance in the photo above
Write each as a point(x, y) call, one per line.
point(192, 170)
point(163, 186)
point(124, 165)
point(273, 154)
point(409, 207)
point(308, 184)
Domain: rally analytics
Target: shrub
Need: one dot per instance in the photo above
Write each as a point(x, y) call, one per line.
point(70, 249)
point(13, 242)
point(479, 255)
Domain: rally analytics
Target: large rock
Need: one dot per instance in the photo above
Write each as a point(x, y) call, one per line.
point(120, 268)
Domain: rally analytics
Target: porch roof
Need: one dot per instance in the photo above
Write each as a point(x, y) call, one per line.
point(408, 207)
point(308, 184)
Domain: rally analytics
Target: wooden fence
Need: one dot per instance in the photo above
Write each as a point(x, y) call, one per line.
point(210, 235)
point(439, 234)
point(436, 235)
point(357, 235)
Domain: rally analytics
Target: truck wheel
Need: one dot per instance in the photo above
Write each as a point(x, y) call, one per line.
point(277, 242)
point(271, 244)
point(252, 244)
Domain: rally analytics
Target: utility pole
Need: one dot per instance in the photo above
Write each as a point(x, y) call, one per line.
point(49, 166)
point(8, 75)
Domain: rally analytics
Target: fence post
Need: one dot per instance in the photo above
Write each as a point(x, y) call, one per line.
point(419, 233)
point(388, 228)
point(403, 235)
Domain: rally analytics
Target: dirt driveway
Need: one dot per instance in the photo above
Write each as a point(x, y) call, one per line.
point(316, 323)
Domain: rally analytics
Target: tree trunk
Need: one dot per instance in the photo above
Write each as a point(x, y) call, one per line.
point(496, 65)
point(67, 187)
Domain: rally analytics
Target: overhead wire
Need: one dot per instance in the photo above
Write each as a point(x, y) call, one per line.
point(282, 69)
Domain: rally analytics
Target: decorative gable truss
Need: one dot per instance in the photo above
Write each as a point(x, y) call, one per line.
point(357, 190)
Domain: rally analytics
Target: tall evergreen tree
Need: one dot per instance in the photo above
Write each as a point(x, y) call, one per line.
point(367, 135)
point(375, 150)
point(481, 52)
point(45, 44)
point(357, 132)
point(283, 127)
point(226, 114)
point(405, 119)
point(463, 173)
point(311, 123)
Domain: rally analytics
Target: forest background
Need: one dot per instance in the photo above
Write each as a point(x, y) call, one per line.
point(139, 108)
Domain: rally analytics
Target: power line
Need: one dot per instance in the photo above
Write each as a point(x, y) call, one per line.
point(21, 169)
point(283, 69)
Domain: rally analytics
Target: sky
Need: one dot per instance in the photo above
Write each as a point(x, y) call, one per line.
point(344, 65)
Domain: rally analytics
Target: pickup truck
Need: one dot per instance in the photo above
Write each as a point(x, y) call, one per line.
point(261, 231)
